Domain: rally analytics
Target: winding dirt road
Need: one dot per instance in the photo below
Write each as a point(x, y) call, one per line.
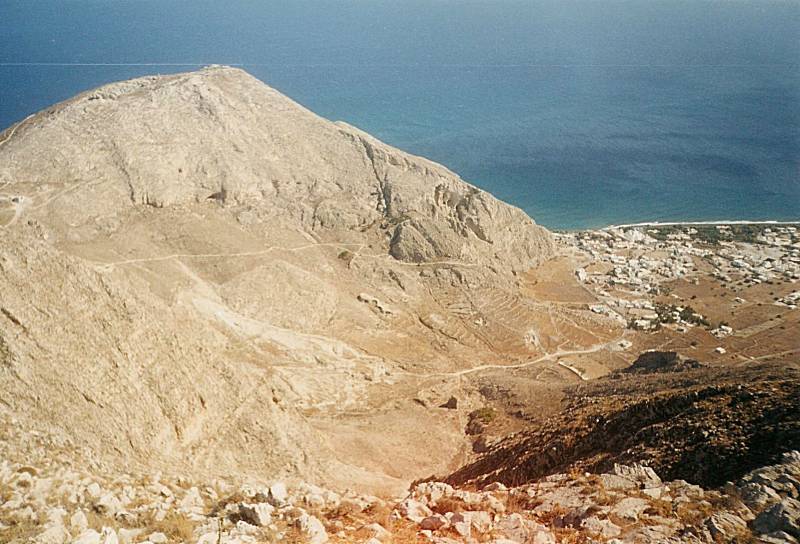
point(14, 129)
point(546, 357)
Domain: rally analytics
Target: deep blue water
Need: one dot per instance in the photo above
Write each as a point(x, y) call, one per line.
point(581, 112)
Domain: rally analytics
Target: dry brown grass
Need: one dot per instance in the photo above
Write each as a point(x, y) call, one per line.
point(177, 527)
point(594, 486)
point(694, 512)
point(622, 523)
point(293, 535)
point(405, 532)
point(380, 513)
point(603, 498)
point(6, 494)
point(548, 518)
point(359, 535)
point(267, 536)
point(138, 502)
point(228, 499)
point(18, 532)
point(576, 474)
point(521, 502)
point(659, 508)
point(572, 536)
point(448, 504)
point(97, 520)
point(731, 499)
point(344, 511)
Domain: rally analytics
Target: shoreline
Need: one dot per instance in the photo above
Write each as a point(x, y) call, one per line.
point(707, 223)
point(681, 223)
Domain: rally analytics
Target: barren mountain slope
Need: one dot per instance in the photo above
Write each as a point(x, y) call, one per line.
point(197, 272)
point(687, 420)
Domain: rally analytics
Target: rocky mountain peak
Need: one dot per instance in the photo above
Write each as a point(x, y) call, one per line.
point(221, 134)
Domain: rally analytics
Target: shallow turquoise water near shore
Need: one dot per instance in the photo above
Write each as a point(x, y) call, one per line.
point(582, 113)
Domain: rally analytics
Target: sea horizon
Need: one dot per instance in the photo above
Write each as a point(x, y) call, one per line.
point(584, 116)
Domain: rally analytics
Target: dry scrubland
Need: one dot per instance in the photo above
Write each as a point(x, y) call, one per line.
point(225, 319)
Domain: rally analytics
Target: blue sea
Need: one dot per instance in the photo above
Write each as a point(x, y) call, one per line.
point(582, 112)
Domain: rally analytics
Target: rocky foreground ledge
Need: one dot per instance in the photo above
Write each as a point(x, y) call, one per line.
point(47, 499)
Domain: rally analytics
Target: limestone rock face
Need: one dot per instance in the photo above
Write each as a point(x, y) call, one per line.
point(784, 516)
point(196, 272)
point(222, 135)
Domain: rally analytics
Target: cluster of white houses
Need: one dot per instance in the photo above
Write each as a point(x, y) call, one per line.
point(775, 257)
point(632, 262)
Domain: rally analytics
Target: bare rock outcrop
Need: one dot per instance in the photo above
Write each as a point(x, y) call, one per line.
point(703, 424)
point(220, 134)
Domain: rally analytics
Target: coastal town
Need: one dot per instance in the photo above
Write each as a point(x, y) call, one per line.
point(632, 270)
